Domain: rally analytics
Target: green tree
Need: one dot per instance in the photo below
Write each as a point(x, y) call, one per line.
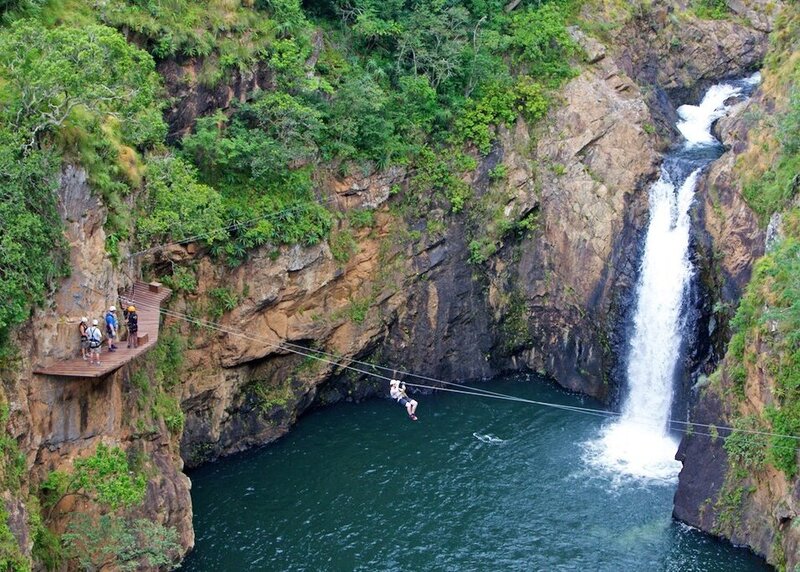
point(124, 544)
point(30, 230)
point(90, 78)
point(105, 478)
point(434, 40)
point(49, 73)
point(358, 122)
point(178, 206)
point(540, 43)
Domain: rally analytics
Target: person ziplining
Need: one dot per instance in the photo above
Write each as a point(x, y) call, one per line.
point(688, 427)
point(398, 392)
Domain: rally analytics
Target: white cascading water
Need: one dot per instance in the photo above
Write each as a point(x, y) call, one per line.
point(638, 444)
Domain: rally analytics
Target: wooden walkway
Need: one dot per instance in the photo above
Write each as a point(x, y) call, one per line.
point(148, 305)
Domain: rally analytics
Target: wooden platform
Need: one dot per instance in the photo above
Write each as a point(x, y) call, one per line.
point(147, 304)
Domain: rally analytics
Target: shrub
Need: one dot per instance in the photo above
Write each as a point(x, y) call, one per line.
point(222, 300)
point(494, 107)
point(103, 477)
point(178, 206)
point(119, 543)
point(361, 218)
point(30, 230)
point(499, 104)
point(481, 249)
point(745, 445)
point(343, 245)
point(169, 409)
point(711, 9)
point(541, 42)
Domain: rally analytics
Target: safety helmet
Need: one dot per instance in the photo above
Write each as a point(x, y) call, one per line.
point(84, 319)
point(94, 322)
point(112, 309)
point(394, 382)
point(131, 308)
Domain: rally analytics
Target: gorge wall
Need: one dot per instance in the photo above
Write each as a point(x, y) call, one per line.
point(409, 297)
point(551, 298)
point(739, 474)
point(549, 292)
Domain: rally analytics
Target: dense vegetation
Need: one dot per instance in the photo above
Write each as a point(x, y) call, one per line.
point(66, 92)
point(110, 538)
point(355, 86)
point(358, 85)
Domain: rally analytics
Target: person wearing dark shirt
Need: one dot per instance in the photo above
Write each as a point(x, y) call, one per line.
point(132, 320)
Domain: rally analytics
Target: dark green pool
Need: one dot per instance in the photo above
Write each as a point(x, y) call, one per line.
point(476, 484)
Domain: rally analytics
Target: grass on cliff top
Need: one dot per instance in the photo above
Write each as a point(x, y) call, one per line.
point(225, 34)
point(389, 87)
point(765, 348)
point(769, 170)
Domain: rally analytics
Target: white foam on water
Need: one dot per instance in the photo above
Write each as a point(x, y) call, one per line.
point(629, 450)
point(696, 120)
point(488, 438)
point(754, 79)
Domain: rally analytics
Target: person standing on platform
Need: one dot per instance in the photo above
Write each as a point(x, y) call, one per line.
point(95, 341)
point(82, 327)
point(112, 328)
point(133, 327)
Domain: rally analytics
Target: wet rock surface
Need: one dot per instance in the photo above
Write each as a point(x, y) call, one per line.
point(700, 481)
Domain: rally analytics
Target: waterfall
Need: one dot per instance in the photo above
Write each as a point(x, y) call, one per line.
point(638, 444)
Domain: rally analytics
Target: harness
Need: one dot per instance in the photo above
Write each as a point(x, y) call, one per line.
point(94, 337)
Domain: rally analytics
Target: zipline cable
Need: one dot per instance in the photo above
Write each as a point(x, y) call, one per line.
point(688, 426)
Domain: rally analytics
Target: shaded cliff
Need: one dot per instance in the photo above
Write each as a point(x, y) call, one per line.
point(414, 295)
point(538, 276)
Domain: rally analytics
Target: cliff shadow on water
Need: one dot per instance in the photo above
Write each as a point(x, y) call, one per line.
point(474, 485)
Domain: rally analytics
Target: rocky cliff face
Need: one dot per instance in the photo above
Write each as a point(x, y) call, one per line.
point(193, 96)
point(553, 298)
point(409, 298)
point(58, 420)
point(594, 161)
point(734, 490)
point(677, 56)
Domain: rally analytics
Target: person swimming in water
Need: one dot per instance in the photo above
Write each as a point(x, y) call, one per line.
point(398, 392)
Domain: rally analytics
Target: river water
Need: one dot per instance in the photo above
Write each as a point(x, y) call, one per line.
point(475, 484)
